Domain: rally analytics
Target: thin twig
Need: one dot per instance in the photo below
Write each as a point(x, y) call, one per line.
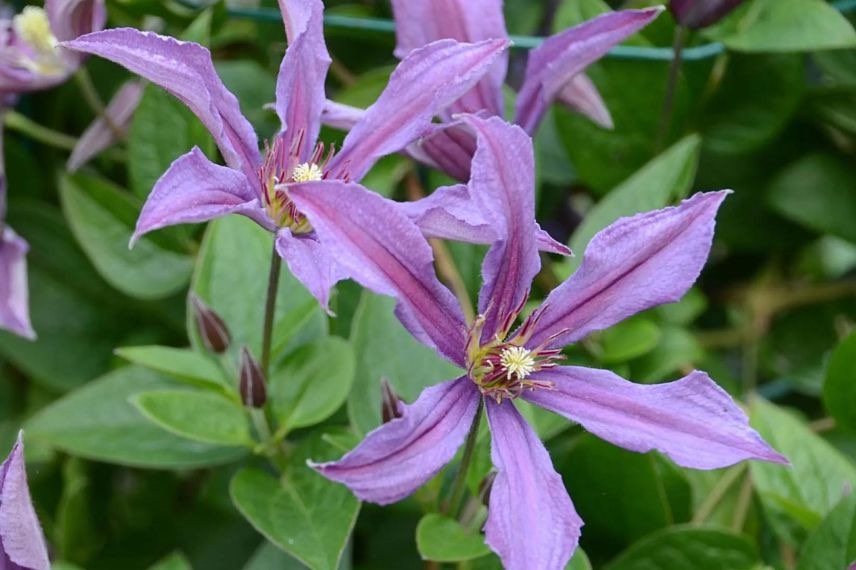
point(451, 506)
point(270, 309)
point(717, 493)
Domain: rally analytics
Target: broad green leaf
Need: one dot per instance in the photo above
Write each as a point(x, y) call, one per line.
point(231, 276)
point(817, 478)
point(444, 539)
point(629, 339)
point(303, 513)
point(665, 178)
point(162, 130)
point(312, 383)
point(200, 416)
point(676, 349)
point(833, 542)
point(786, 26)
point(175, 561)
point(269, 557)
point(254, 86)
point(75, 534)
point(180, 363)
point(839, 388)
point(819, 192)
point(102, 218)
point(98, 422)
point(384, 349)
point(688, 547)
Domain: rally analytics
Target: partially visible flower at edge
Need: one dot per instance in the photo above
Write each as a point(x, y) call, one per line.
point(634, 264)
point(554, 71)
point(22, 542)
point(194, 189)
point(696, 14)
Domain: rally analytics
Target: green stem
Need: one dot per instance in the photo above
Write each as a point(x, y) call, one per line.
point(90, 94)
point(671, 87)
point(270, 309)
point(17, 122)
point(717, 493)
point(451, 507)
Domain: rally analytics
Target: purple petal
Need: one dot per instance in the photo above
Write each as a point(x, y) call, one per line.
point(311, 263)
point(692, 420)
point(22, 543)
point(194, 189)
point(300, 94)
point(581, 95)
point(564, 55)
point(401, 455)
point(14, 298)
point(420, 22)
point(99, 135)
point(448, 147)
point(422, 85)
point(503, 186)
point(72, 18)
point(634, 264)
point(185, 70)
point(341, 116)
point(531, 522)
point(384, 251)
point(701, 13)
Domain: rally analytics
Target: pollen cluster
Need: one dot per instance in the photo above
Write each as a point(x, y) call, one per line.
point(517, 361)
point(33, 28)
point(307, 172)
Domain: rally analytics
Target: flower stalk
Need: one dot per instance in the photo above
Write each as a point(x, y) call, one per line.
point(458, 485)
point(18, 122)
point(667, 113)
point(270, 309)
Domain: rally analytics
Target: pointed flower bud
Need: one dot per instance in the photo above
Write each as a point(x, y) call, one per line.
point(390, 401)
point(211, 327)
point(696, 14)
point(252, 381)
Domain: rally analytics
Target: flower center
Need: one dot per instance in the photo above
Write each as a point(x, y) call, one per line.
point(307, 172)
point(517, 361)
point(33, 28)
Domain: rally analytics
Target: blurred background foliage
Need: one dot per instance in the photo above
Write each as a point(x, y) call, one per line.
point(122, 479)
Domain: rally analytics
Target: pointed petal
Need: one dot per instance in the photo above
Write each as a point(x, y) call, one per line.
point(300, 94)
point(401, 455)
point(692, 420)
point(420, 22)
point(562, 56)
point(99, 135)
point(383, 250)
point(341, 116)
point(72, 18)
point(21, 539)
point(634, 264)
point(422, 85)
point(185, 70)
point(581, 95)
point(531, 522)
point(194, 189)
point(14, 297)
point(311, 263)
point(502, 184)
point(448, 147)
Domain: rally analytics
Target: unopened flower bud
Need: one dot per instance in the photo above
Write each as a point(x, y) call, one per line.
point(215, 335)
point(252, 381)
point(389, 408)
point(485, 487)
point(695, 14)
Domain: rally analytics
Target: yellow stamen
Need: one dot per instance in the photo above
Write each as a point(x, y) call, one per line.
point(33, 27)
point(517, 361)
point(307, 172)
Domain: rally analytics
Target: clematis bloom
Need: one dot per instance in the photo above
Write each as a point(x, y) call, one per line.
point(554, 71)
point(22, 543)
point(253, 184)
point(632, 265)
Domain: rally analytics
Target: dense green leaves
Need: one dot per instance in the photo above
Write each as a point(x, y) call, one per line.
point(833, 543)
point(839, 388)
point(180, 363)
point(200, 416)
point(444, 539)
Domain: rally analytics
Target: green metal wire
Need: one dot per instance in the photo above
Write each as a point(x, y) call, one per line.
point(381, 25)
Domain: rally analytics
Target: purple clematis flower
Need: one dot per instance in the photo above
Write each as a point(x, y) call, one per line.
point(554, 71)
point(634, 264)
point(195, 189)
point(22, 543)
point(696, 14)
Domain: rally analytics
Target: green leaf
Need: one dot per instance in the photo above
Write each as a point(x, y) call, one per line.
point(786, 26)
point(162, 130)
point(676, 349)
point(818, 475)
point(839, 388)
point(180, 363)
point(312, 383)
point(102, 218)
point(698, 548)
point(231, 277)
point(98, 422)
point(629, 339)
point(444, 539)
point(175, 561)
point(833, 543)
point(384, 349)
point(254, 86)
point(304, 514)
point(200, 416)
point(829, 206)
point(665, 178)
